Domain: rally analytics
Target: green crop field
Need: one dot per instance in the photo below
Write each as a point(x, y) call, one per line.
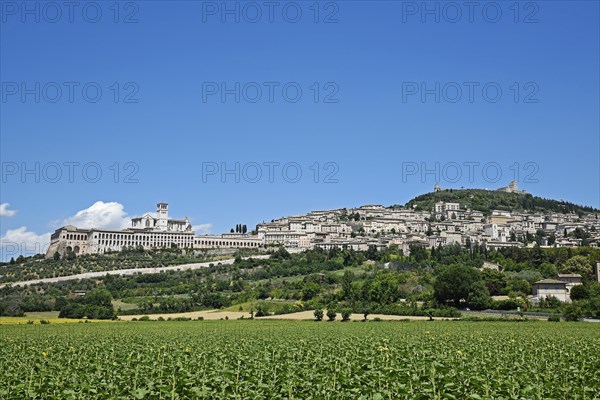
point(303, 360)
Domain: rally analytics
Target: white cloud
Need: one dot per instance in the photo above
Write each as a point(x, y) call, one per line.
point(100, 215)
point(5, 212)
point(202, 229)
point(20, 241)
point(109, 215)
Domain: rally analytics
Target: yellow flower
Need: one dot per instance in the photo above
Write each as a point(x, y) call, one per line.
point(459, 352)
point(44, 354)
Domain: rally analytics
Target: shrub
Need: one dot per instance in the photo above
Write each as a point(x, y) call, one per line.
point(261, 310)
point(346, 313)
point(554, 318)
point(318, 314)
point(573, 312)
point(331, 314)
point(509, 304)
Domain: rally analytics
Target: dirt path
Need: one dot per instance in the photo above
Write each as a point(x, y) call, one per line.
point(207, 315)
point(299, 316)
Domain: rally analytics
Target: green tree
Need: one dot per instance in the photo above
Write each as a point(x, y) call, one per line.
point(98, 297)
point(310, 290)
point(479, 296)
point(495, 281)
point(455, 282)
point(519, 285)
point(548, 270)
point(261, 310)
point(346, 313)
point(578, 265)
point(347, 280)
point(579, 292)
point(59, 303)
point(318, 314)
point(331, 314)
point(573, 312)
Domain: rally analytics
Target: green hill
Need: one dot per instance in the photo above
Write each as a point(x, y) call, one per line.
point(488, 200)
point(38, 267)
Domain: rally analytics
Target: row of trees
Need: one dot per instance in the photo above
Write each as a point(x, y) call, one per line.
point(239, 228)
point(96, 304)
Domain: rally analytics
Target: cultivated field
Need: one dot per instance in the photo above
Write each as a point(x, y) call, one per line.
point(303, 360)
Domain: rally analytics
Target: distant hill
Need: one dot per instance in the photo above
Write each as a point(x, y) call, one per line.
point(488, 200)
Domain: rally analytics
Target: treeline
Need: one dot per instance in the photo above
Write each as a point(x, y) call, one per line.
point(96, 304)
point(16, 305)
point(376, 280)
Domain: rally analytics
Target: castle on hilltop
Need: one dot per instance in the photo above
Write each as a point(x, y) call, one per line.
point(512, 187)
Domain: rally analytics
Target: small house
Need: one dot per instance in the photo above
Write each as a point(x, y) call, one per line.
point(550, 288)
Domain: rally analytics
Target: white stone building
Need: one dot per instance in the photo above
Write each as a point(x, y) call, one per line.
point(148, 232)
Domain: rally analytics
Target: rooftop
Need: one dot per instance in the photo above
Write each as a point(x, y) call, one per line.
point(549, 281)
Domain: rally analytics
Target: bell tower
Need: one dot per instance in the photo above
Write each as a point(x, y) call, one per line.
point(162, 214)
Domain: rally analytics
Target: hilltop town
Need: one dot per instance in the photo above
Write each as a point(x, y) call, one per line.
point(425, 221)
point(442, 224)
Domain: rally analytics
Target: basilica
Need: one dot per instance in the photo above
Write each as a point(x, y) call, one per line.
point(149, 231)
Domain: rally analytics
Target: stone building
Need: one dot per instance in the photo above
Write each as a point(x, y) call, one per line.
point(148, 232)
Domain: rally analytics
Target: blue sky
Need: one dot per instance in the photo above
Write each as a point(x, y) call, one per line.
point(388, 89)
